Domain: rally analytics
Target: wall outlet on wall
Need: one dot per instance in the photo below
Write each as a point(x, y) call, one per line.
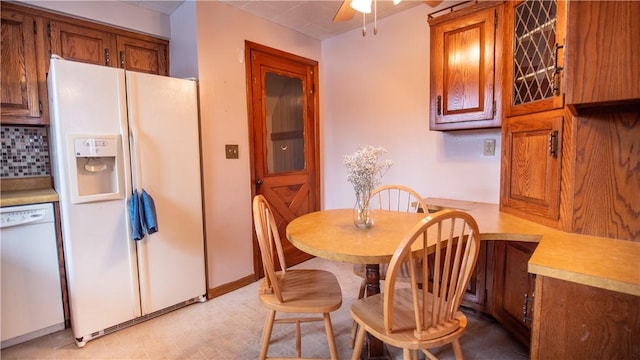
point(231, 151)
point(489, 147)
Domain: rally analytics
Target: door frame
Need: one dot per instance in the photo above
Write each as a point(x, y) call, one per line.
point(249, 46)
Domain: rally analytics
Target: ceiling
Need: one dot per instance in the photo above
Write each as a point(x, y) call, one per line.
point(313, 18)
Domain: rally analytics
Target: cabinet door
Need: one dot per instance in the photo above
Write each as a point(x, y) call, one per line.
point(601, 52)
point(513, 288)
point(463, 77)
point(533, 56)
point(79, 43)
point(475, 295)
point(20, 97)
point(531, 164)
point(142, 56)
point(575, 321)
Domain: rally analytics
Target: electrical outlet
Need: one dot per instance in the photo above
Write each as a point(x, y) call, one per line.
point(231, 151)
point(489, 147)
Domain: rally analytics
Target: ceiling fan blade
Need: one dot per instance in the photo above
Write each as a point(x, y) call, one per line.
point(432, 3)
point(345, 13)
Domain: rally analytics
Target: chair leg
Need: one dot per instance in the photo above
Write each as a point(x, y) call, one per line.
point(357, 348)
point(457, 349)
point(333, 349)
point(266, 334)
point(363, 287)
point(354, 326)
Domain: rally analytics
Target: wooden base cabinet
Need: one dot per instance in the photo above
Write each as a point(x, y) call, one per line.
point(513, 288)
point(574, 321)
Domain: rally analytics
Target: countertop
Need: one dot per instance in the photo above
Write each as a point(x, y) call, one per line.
point(25, 191)
point(605, 263)
point(25, 197)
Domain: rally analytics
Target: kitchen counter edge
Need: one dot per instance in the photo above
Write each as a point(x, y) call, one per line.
point(605, 263)
point(27, 197)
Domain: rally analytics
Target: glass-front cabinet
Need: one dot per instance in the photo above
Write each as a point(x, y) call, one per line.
point(534, 50)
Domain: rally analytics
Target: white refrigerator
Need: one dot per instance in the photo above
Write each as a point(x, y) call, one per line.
point(114, 132)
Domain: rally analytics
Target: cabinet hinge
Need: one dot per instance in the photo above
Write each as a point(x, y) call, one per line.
point(122, 59)
point(49, 29)
point(107, 57)
point(495, 105)
point(553, 144)
point(40, 107)
point(35, 28)
point(313, 88)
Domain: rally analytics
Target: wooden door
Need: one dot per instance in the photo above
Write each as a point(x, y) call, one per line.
point(534, 45)
point(464, 80)
point(283, 128)
point(513, 288)
point(531, 166)
point(20, 97)
point(142, 56)
point(83, 44)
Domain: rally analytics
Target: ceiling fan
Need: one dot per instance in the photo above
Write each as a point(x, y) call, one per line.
point(346, 11)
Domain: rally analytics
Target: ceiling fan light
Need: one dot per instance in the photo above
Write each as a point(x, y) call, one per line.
point(363, 6)
point(396, 2)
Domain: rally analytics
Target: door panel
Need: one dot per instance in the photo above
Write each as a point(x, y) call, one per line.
point(282, 124)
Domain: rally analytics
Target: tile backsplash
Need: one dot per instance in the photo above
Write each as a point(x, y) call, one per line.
point(25, 151)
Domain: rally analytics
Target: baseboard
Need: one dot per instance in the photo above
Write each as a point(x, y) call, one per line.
point(229, 287)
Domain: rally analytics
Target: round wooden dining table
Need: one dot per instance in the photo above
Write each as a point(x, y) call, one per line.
point(331, 234)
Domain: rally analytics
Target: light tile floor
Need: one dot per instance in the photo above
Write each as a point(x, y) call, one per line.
point(229, 327)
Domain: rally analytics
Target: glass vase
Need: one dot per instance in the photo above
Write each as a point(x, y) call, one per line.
point(362, 214)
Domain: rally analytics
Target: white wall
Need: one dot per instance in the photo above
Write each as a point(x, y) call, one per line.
point(222, 31)
point(183, 47)
point(375, 90)
point(114, 13)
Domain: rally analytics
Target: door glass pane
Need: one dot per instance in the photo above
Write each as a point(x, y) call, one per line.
point(533, 60)
point(284, 119)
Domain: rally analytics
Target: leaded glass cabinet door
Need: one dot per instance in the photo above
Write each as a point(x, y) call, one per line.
point(534, 56)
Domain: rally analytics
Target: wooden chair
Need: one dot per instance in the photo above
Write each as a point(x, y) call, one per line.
point(419, 317)
point(393, 198)
point(305, 292)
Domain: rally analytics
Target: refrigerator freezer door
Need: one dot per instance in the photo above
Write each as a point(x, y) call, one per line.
point(165, 153)
point(100, 257)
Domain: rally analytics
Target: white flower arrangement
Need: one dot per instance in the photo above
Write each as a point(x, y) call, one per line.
point(364, 168)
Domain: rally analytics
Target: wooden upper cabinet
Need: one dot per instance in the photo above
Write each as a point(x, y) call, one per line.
point(142, 56)
point(534, 42)
point(21, 101)
point(531, 166)
point(465, 53)
point(603, 39)
point(79, 43)
point(90, 44)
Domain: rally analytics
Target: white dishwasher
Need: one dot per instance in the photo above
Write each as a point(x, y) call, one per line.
point(31, 292)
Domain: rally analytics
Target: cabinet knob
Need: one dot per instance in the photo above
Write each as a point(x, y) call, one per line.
point(439, 105)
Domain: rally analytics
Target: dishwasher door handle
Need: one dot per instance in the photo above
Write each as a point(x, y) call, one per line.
point(21, 218)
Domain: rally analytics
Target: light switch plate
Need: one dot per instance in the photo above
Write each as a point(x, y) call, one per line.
point(231, 151)
point(489, 147)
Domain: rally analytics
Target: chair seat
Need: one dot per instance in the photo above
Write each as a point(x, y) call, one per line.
point(305, 291)
point(368, 312)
